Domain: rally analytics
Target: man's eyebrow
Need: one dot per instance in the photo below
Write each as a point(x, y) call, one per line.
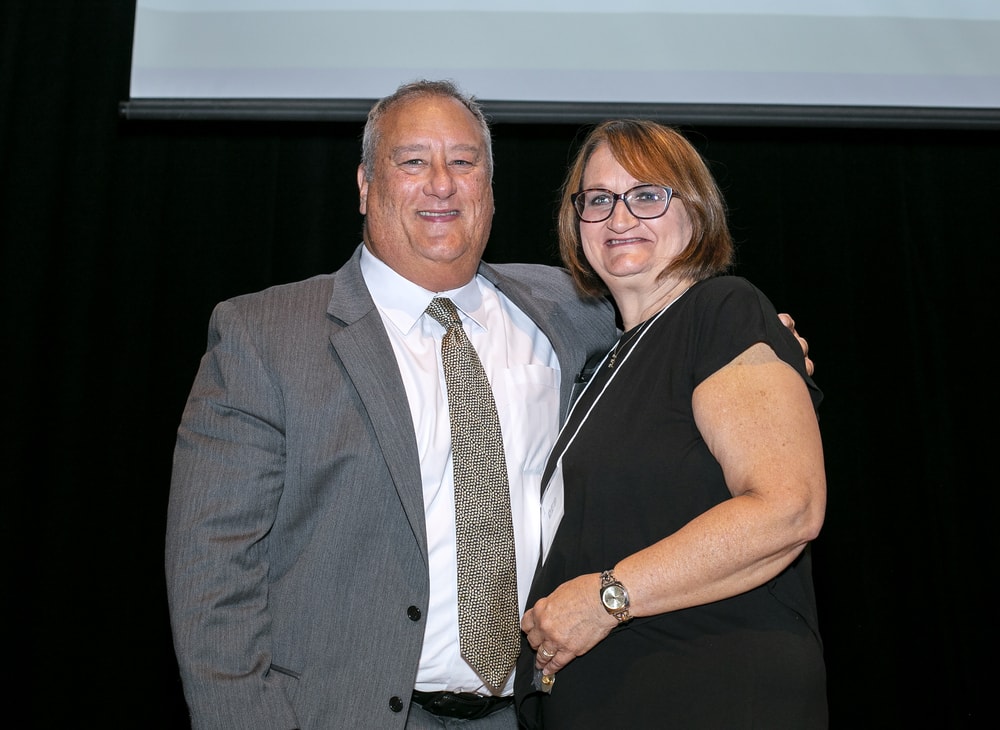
point(407, 149)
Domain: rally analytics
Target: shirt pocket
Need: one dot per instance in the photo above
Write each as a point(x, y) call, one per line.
point(530, 415)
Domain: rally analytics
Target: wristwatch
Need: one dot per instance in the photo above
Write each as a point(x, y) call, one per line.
point(614, 597)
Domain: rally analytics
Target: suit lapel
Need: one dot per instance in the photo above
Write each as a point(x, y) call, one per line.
point(365, 352)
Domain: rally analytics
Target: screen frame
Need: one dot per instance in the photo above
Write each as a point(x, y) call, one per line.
point(535, 112)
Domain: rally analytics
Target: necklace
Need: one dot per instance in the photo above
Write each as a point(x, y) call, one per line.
point(640, 327)
point(622, 341)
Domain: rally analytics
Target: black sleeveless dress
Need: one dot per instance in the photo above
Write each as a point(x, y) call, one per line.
point(638, 470)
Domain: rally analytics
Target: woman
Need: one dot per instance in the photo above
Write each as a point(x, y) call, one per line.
point(677, 590)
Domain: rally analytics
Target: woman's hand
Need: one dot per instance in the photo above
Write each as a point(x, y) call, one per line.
point(567, 623)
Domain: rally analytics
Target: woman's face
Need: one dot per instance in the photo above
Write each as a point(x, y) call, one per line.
point(628, 253)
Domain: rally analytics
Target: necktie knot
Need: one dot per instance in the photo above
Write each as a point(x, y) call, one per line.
point(443, 310)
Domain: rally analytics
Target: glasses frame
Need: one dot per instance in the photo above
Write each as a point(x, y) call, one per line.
point(624, 198)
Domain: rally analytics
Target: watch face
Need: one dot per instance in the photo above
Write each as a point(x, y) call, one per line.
point(613, 597)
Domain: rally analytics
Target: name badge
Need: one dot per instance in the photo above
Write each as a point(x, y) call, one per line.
point(553, 506)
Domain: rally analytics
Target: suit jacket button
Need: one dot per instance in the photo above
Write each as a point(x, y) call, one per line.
point(395, 704)
point(414, 613)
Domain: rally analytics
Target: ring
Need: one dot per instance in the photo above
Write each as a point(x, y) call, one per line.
point(546, 654)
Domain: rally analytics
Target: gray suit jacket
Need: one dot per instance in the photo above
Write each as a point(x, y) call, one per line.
point(296, 551)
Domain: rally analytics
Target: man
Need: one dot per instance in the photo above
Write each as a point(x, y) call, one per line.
point(311, 536)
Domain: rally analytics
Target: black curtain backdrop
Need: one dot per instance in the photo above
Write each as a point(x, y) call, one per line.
point(119, 237)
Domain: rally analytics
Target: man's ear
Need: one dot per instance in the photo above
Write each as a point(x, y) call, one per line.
point(363, 190)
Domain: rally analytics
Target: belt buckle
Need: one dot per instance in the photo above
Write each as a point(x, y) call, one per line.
point(463, 705)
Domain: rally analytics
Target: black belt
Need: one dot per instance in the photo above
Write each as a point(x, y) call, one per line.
point(463, 705)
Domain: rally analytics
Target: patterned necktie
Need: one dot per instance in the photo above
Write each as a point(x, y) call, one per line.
point(489, 629)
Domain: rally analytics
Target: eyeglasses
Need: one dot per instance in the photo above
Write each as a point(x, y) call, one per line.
point(643, 201)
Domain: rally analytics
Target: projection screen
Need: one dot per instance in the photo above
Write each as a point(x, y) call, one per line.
point(854, 62)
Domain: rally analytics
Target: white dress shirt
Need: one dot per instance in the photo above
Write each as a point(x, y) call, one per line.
point(524, 374)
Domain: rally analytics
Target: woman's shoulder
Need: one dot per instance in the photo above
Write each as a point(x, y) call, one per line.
point(725, 284)
point(724, 293)
point(726, 315)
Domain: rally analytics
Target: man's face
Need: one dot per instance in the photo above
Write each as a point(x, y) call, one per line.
point(429, 205)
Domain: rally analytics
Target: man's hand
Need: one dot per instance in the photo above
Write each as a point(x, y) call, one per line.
point(786, 319)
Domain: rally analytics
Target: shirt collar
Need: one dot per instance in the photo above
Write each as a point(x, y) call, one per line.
point(403, 302)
